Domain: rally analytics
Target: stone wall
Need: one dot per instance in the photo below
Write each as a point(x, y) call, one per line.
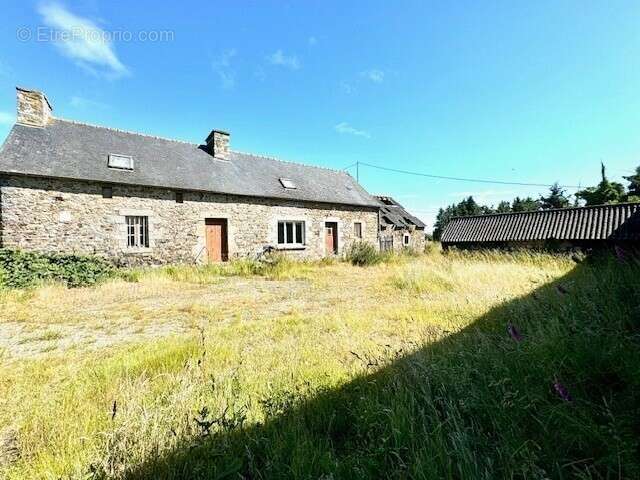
point(33, 108)
point(416, 238)
point(73, 217)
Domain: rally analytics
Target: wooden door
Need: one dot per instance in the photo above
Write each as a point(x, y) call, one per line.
point(328, 238)
point(331, 238)
point(216, 237)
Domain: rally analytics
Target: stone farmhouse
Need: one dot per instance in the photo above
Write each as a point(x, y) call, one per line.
point(398, 228)
point(71, 187)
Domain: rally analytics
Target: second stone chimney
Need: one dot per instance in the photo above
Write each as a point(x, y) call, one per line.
point(33, 108)
point(218, 144)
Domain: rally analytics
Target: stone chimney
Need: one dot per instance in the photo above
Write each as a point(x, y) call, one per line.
point(218, 144)
point(33, 108)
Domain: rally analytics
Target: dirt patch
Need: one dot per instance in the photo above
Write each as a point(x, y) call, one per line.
point(26, 340)
point(9, 449)
point(56, 319)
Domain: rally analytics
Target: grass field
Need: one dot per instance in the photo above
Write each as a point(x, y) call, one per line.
point(401, 370)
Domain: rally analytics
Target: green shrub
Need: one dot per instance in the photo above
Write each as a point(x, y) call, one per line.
point(20, 269)
point(130, 275)
point(363, 254)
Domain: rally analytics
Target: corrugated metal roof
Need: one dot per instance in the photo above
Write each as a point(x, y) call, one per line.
point(602, 222)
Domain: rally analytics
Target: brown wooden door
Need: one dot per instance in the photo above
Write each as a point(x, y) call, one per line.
point(328, 238)
point(331, 238)
point(216, 237)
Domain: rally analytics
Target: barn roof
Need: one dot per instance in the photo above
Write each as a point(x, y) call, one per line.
point(392, 213)
point(71, 150)
point(602, 222)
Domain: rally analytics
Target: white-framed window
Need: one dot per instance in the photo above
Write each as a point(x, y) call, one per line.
point(137, 231)
point(291, 232)
point(357, 230)
point(406, 239)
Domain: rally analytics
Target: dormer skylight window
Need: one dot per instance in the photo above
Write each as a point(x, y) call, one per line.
point(120, 162)
point(288, 184)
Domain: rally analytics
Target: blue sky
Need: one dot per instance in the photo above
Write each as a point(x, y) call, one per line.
point(517, 91)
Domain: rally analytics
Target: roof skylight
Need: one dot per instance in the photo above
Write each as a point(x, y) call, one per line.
point(288, 184)
point(122, 162)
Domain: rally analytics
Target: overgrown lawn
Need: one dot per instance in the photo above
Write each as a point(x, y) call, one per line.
point(466, 365)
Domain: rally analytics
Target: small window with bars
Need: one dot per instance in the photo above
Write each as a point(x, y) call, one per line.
point(291, 233)
point(357, 230)
point(137, 232)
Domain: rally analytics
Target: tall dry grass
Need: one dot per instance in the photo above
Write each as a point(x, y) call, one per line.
point(401, 370)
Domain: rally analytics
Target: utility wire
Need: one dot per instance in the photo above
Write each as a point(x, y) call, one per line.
point(458, 179)
point(350, 166)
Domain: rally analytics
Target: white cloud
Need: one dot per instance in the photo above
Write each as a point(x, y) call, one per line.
point(7, 118)
point(222, 67)
point(82, 41)
point(86, 103)
point(312, 41)
point(344, 128)
point(288, 61)
point(374, 75)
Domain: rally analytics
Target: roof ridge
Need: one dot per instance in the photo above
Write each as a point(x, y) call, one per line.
point(276, 159)
point(130, 132)
point(623, 204)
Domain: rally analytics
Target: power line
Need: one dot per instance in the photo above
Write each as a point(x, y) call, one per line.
point(458, 179)
point(351, 166)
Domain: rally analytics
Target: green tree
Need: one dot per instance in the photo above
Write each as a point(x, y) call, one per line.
point(555, 199)
point(605, 193)
point(527, 204)
point(503, 207)
point(466, 208)
point(444, 216)
point(633, 190)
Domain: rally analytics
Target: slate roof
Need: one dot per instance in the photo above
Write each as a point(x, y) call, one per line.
point(66, 149)
point(603, 222)
point(394, 214)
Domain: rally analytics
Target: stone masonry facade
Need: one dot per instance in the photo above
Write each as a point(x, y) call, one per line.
point(416, 238)
point(66, 216)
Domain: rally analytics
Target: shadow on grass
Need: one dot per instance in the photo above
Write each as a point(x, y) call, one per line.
point(563, 401)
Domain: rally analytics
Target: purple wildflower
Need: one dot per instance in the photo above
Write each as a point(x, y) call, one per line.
point(620, 254)
point(514, 332)
point(562, 391)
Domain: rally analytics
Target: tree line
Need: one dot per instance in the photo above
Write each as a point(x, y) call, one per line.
point(606, 192)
